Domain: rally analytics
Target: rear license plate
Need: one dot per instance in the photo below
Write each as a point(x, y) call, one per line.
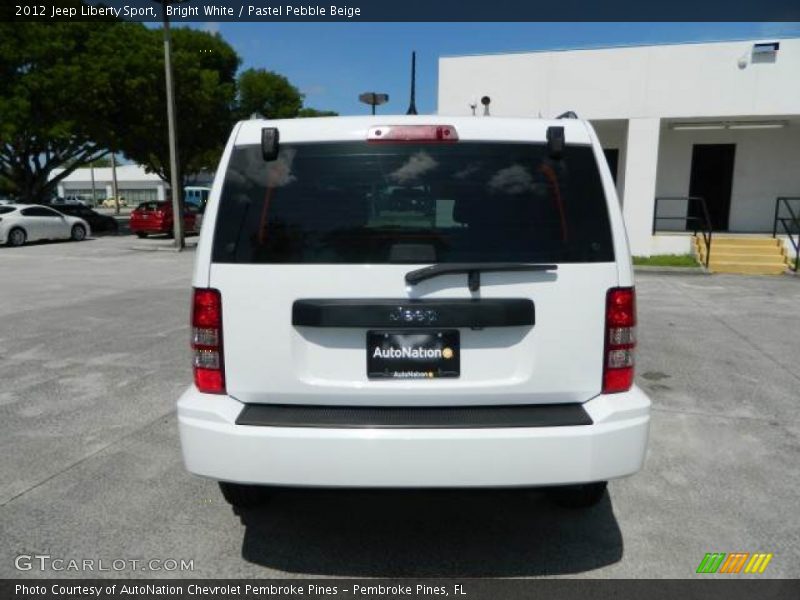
point(413, 354)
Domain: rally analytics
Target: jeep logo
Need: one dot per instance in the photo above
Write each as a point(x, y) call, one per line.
point(413, 315)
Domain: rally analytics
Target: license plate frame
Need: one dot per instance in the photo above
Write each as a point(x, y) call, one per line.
point(431, 354)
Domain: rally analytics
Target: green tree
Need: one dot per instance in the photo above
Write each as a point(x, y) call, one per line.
point(267, 94)
point(72, 92)
point(46, 103)
point(204, 67)
point(100, 163)
point(6, 186)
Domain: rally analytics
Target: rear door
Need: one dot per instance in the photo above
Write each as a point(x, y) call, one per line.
point(311, 254)
point(45, 223)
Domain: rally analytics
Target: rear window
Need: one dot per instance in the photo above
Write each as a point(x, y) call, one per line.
point(150, 206)
point(4, 210)
point(357, 202)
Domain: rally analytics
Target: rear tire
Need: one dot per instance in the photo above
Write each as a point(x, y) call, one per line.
point(16, 237)
point(578, 496)
point(243, 496)
point(141, 235)
point(78, 233)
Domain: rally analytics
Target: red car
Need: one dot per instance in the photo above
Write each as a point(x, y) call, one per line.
point(156, 217)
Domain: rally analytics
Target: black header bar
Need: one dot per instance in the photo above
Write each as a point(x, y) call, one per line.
point(193, 11)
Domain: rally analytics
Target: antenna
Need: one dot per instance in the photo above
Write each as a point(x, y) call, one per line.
point(412, 106)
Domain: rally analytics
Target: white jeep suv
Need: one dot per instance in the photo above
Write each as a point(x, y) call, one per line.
point(413, 301)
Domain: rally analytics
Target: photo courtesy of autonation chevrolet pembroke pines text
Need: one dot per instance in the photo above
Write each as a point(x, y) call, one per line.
point(399, 299)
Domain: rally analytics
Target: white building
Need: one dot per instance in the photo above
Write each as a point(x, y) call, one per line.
point(133, 184)
point(717, 120)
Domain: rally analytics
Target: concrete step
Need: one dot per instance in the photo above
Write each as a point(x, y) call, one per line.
point(745, 250)
point(717, 254)
point(746, 260)
point(744, 242)
point(742, 269)
point(745, 255)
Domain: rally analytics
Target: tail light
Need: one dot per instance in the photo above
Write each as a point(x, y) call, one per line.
point(620, 340)
point(209, 370)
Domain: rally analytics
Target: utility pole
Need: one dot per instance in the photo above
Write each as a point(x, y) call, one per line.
point(94, 195)
point(373, 99)
point(114, 187)
point(175, 184)
point(412, 105)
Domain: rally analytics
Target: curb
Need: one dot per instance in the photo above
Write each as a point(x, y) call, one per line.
point(671, 270)
point(163, 248)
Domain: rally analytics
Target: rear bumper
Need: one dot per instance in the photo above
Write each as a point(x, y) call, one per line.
point(613, 446)
point(150, 227)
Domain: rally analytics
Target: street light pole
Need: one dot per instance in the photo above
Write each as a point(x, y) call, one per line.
point(94, 194)
point(373, 99)
point(114, 184)
point(177, 200)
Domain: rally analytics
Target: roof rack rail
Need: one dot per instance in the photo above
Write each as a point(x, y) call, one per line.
point(570, 114)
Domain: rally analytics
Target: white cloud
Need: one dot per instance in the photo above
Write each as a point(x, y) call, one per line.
point(417, 165)
point(466, 171)
point(512, 180)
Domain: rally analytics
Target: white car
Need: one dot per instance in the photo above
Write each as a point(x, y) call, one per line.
point(20, 223)
point(483, 338)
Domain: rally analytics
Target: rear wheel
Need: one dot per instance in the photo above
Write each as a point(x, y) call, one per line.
point(16, 237)
point(78, 233)
point(141, 234)
point(243, 496)
point(578, 496)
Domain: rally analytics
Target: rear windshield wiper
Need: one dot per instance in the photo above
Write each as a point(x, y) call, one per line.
point(473, 271)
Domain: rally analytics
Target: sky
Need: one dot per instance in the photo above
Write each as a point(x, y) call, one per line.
point(332, 63)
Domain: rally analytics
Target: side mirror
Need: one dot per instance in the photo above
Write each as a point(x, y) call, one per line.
point(270, 139)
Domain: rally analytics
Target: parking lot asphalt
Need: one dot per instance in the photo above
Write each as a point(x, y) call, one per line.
point(94, 353)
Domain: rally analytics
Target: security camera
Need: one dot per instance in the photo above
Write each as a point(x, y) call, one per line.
point(485, 101)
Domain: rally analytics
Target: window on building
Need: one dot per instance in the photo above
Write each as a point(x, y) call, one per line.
point(86, 194)
point(138, 195)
